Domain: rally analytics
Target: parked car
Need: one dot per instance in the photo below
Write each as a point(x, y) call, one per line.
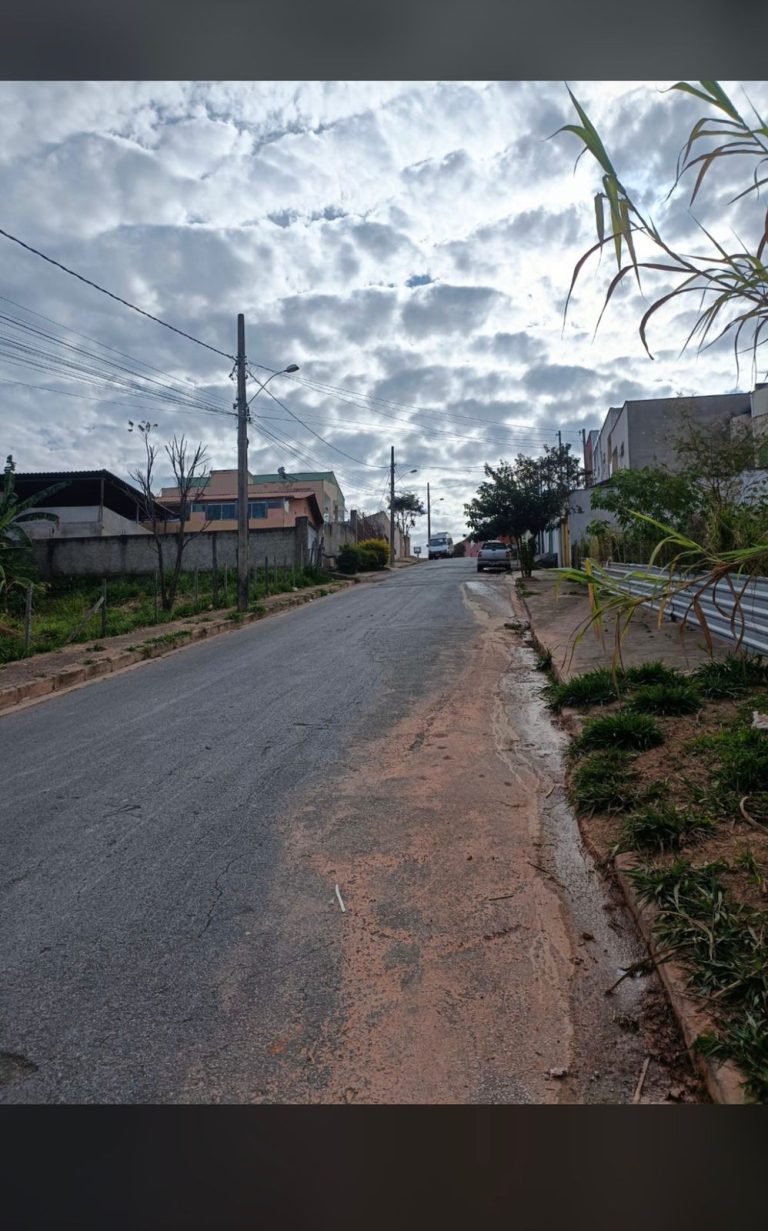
point(494, 555)
point(440, 547)
point(547, 560)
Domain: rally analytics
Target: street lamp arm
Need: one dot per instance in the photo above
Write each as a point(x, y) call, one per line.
point(292, 367)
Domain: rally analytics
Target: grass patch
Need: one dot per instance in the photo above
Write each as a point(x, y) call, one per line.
point(603, 782)
point(623, 730)
point(741, 759)
point(592, 688)
point(662, 827)
point(730, 677)
point(665, 699)
point(724, 946)
point(651, 673)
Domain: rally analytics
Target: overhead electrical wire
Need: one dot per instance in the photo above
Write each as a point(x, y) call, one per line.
point(126, 303)
point(327, 443)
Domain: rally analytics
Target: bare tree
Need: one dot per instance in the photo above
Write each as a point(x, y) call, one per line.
point(190, 469)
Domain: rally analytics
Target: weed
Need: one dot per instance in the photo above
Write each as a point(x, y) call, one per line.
point(544, 661)
point(592, 688)
point(742, 759)
point(622, 730)
point(730, 677)
point(746, 1043)
point(665, 699)
point(603, 782)
point(662, 828)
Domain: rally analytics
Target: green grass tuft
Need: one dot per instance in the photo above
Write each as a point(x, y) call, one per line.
point(603, 782)
point(663, 828)
point(622, 730)
point(592, 688)
point(665, 699)
point(651, 673)
point(730, 677)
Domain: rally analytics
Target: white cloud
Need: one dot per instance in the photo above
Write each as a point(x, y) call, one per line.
point(411, 242)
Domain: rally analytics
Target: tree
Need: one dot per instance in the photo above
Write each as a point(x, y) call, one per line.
point(406, 507)
point(16, 564)
point(732, 286)
point(523, 498)
point(189, 468)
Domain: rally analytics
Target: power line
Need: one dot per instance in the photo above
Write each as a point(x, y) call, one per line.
point(328, 444)
point(126, 303)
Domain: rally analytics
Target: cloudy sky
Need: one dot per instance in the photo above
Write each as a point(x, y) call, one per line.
point(408, 244)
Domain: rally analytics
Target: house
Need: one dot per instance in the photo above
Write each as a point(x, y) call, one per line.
point(376, 526)
point(272, 502)
point(643, 433)
point(93, 503)
point(323, 483)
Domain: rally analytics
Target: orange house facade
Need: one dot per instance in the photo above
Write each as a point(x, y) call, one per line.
point(270, 505)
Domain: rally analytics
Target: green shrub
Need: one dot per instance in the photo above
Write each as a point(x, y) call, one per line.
point(665, 699)
point(380, 549)
point(348, 559)
point(603, 782)
point(368, 561)
point(742, 756)
point(623, 730)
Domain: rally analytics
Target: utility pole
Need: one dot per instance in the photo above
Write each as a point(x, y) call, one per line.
point(429, 520)
point(392, 505)
point(242, 470)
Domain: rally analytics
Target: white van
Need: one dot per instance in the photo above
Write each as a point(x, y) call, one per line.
point(440, 546)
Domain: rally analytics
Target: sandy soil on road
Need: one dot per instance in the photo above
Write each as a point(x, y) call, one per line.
point(478, 939)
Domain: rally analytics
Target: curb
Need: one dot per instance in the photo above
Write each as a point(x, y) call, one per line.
point(724, 1082)
point(152, 647)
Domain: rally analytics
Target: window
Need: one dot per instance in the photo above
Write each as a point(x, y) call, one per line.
point(220, 512)
point(199, 507)
point(257, 509)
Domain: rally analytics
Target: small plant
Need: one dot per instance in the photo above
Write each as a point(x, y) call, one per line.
point(651, 673)
point(662, 827)
point(544, 661)
point(665, 699)
point(348, 559)
point(592, 688)
point(746, 1043)
point(730, 677)
point(603, 782)
point(742, 756)
point(623, 730)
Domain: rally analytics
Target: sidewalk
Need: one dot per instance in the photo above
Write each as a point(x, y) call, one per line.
point(557, 616)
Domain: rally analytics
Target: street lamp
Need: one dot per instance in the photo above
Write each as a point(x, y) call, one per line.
point(243, 416)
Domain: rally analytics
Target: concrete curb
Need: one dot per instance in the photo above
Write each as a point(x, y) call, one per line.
point(154, 646)
point(724, 1082)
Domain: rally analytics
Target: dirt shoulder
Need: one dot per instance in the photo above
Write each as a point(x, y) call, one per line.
point(681, 823)
point(559, 612)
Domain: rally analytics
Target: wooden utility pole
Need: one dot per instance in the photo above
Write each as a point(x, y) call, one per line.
point(242, 470)
point(392, 505)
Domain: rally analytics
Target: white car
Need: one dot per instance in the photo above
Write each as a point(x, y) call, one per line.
point(440, 546)
point(494, 555)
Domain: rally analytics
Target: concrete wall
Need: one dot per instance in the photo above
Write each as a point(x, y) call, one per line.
point(655, 424)
point(132, 555)
point(80, 521)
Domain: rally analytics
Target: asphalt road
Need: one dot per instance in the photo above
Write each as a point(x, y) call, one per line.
point(141, 825)
point(171, 840)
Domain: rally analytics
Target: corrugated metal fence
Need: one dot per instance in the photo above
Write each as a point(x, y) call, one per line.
point(736, 612)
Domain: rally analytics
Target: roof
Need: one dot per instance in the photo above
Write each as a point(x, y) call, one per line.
point(83, 487)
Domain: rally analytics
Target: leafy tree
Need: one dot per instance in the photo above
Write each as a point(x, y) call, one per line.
point(190, 469)
point(523, 498)
point(732, 286)
point(406, 507)
point(16, 565)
